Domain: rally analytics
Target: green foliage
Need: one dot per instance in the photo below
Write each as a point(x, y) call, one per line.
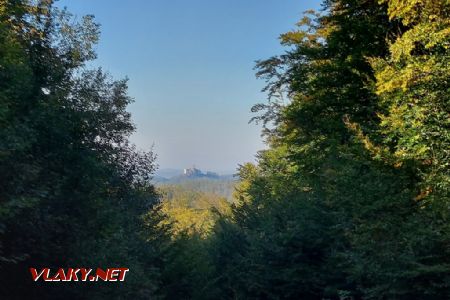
point(351, 199)
point(413, 86)
point(191, 212)
point(189, 216)
point(73, 190)
point(222, 187)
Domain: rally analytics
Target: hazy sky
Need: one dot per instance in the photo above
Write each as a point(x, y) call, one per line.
point(190, 69)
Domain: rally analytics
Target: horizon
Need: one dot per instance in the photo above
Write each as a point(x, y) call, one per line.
point(179, 171)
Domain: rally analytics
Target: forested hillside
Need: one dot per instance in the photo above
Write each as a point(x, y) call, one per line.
point(191, 210)
point(349, 201)
point(223, 186)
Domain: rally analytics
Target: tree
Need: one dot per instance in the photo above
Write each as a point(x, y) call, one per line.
point(328, 199)
point(73, 190)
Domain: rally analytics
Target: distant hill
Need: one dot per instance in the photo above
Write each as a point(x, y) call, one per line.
point(197, 180)
point(168, 173)
point(221, 187)
point(178, 175)
point(159, 179)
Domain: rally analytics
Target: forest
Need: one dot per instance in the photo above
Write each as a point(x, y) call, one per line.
point(350, 200)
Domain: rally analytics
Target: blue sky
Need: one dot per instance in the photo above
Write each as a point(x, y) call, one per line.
point(190, 69)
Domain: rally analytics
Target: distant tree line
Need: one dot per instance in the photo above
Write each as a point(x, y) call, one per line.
point(222, 186)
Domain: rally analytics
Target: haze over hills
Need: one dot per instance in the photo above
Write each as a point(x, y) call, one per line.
point(168, 172)
point(173, 174)
point(194, 179)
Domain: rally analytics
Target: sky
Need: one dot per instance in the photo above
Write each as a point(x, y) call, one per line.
point(190, 68)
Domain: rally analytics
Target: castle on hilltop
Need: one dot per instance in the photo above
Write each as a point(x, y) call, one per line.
point(194, 172)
